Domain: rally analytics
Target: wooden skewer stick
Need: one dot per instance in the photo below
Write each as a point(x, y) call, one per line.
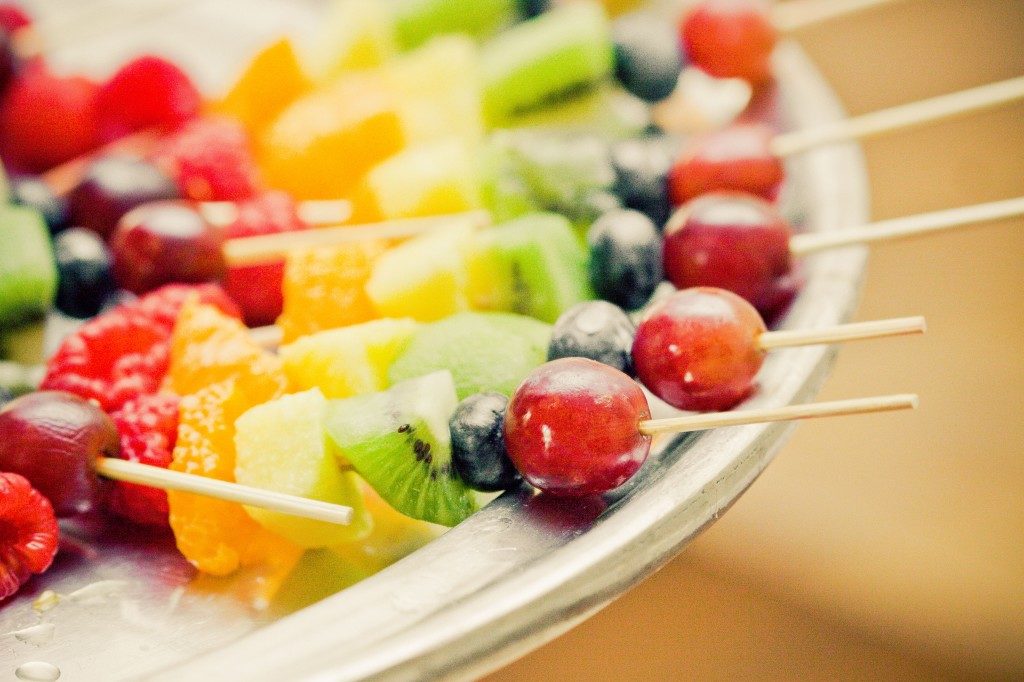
point(797, 14)
point(911, 226)
point(904, 116)
point(273, 247)
point(318, 212)
point(858, 331)
point(703, 422)
point(165, 479)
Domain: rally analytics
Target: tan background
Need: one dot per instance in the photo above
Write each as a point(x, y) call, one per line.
point(887, 547)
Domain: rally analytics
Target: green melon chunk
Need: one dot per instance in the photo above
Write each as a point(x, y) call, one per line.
point(417, 21)
point(28, 274)
point(533, 266)
point(562, 50)
point(398, 440)
point(483, 351)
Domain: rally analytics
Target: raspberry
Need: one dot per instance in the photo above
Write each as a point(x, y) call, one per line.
point(257, 289)
point(29, 534)
point(211, 160)
point(148, 427)
point(147, 91)
point(13, 17)
point(46, 120)
point(123, 354)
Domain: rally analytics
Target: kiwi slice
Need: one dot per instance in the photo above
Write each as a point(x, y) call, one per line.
point(398, 440)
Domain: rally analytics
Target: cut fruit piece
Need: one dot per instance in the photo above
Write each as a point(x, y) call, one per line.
point(399, 442)
point(349, 361)
point(437, 90)
point(483, 351)
point(324, 287)
point(28, 274)
point(271, 81)
point(564, 49)
point(417, 21)
point(528, 171)
point(425, 278)
point(282, 446)
point(354, 34)
point(322, 144)
point(208, 346)
point(534, 266)
point(218, 537)
point(433, 179)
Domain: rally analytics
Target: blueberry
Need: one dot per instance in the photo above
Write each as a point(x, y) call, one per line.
point(625, 258)
point(34, 192)
point(84, 270)
point(597, 330)
point(532, 8)
point(641, 169)
point(648, 56)
point(478, 443)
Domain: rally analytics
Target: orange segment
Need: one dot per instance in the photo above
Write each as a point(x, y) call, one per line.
point(218, 537)
point(324, 288)
point(208, 346)
point(272, 80)
point(321, 145)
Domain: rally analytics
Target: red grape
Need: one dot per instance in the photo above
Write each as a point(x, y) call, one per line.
point(734, 242)
point(52, 439)
point(165, 242)
point(737, 158)
point(730, 39)
point(113, 185)
point(698, 349)
point(572, 427)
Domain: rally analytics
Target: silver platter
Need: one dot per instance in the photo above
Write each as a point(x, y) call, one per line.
point(512, 577)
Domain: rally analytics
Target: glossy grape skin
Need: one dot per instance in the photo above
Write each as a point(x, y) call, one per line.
point(478, 443)
point(112, 186)
point(596, 330)
point(730, 39)
point(735, 242)
point(52, 439)
point(84, 267)
point(698, 349)
point(737, 158)
point(625, 258)
point(572, 428)
point(166, 242)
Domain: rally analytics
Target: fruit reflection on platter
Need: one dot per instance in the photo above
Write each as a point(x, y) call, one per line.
point(455, 231)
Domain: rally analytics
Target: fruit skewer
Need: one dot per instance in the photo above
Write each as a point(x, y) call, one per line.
point(748, 157)
point(577, 427)
point(736, 39)
point(61, 443)
point(705, 242)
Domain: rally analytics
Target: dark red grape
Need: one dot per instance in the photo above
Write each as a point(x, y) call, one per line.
point(52, 439)
point(114, 185)
point(165, 242)
point(731, 241)
point(737, 158)
point(698, 349)
point(572, 428)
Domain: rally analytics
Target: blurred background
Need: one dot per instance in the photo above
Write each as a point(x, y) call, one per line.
point(876, 548)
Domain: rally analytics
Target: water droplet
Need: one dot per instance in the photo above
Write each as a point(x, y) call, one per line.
point(37, 635)
point(37, 671)
point(45, 601)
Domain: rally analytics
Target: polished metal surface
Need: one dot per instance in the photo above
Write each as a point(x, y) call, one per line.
point(513, 576)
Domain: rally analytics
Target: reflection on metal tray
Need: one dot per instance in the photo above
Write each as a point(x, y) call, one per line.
point(515, 575)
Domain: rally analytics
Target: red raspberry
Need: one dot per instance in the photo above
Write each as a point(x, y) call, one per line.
point(147, 91)
point(29, 534)
point(13, 17)
point(148, 427)
point(211, 160)
point(46, 120)
point(123, 354)
point(257, 289)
